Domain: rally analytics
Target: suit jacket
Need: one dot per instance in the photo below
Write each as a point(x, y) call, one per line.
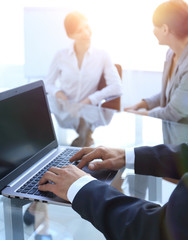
point(174, 107)
point(121, 217)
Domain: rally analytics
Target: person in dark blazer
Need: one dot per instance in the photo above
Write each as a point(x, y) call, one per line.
point(170, 21)
point(119, 216)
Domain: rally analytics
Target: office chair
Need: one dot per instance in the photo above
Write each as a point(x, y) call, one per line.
point(113, 102)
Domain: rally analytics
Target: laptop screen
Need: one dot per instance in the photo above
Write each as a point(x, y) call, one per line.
point(25, 128)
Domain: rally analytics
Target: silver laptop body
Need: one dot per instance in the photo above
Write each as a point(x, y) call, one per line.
point(28, 144)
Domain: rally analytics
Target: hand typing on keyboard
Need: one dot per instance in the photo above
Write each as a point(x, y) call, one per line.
point(100, 158)
point(62, 179)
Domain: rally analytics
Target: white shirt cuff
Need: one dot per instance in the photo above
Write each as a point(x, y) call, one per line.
point(77, 185)
point(81, 182)
point(129, 158)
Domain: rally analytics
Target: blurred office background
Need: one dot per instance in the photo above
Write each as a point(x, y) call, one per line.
point(32, 32)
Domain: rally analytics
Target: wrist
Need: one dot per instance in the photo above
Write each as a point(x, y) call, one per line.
point(141, 104)
point(77, 185)
point(144, 104)
point(129, 157)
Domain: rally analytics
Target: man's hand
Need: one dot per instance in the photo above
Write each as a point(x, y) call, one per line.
point(112, 158)
point(61, 178)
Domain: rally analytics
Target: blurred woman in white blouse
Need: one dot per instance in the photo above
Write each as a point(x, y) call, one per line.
point(78, 69)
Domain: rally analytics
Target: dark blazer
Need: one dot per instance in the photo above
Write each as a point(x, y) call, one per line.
point(119, 216)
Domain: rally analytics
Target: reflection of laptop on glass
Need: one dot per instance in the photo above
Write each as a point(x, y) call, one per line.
point(28, 145)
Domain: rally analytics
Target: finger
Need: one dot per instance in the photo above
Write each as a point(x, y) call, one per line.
point(95, 154)
point(56, 170)
point(80, 154)
point(47, 187)
point(48, 176)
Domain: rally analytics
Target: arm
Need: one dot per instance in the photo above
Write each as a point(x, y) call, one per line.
point(116, 215)
point(113, 158)
point(153, 101)
point(120, 217)
point(86, 101)
point(177, 108)
point(113, 82)
point(147, 103)
point(52, 76)
point(162, 160)
point(141, 104)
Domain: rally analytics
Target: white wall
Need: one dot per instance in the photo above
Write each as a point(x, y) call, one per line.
point(128, 37)
point(123, 45)
point(44, 35)
point(11, 76)
point(138, 85)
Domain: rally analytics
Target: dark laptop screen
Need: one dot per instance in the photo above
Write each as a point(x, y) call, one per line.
point(25, 128)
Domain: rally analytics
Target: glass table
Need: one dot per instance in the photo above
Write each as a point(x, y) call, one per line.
point(86, 125)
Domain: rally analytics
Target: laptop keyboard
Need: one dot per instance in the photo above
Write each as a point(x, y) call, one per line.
point(31, 186)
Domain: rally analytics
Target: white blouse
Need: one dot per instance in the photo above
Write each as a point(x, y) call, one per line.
point(79, 83)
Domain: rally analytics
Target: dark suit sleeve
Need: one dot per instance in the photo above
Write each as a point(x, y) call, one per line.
point(120, 217)
point(117, 216)
point(162, 160)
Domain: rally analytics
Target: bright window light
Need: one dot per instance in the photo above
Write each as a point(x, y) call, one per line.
point(124, 28)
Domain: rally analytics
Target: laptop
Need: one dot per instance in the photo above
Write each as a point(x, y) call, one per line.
point(28, 144)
